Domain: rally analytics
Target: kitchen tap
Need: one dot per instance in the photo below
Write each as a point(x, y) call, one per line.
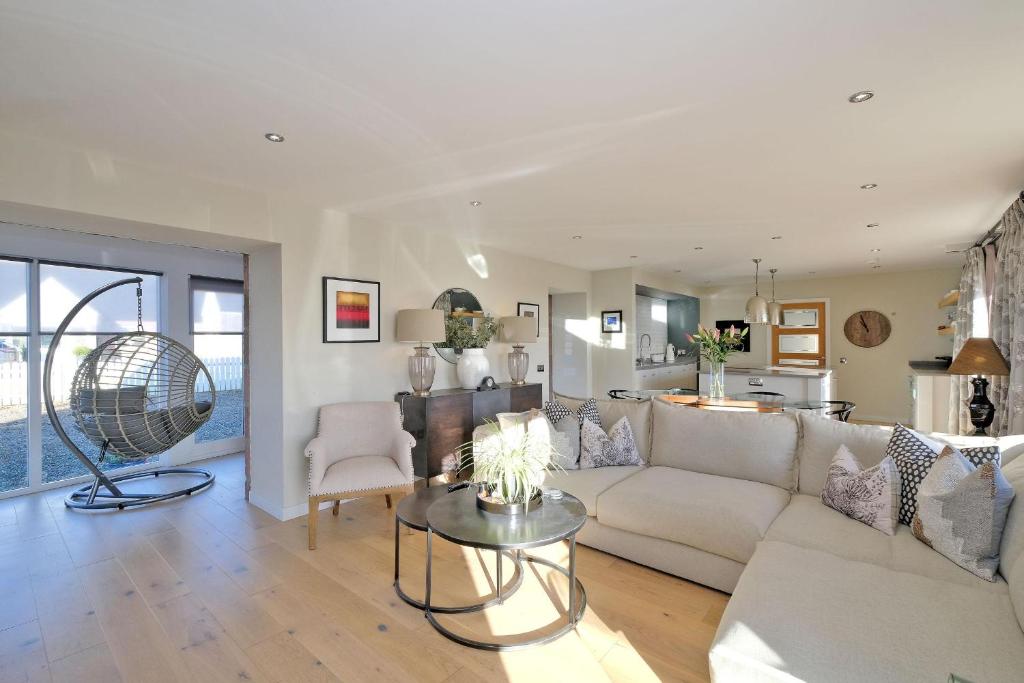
point(641, 345)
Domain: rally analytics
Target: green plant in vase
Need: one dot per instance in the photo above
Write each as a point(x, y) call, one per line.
point(715, 347)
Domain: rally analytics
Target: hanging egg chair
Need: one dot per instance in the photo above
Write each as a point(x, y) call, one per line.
point(133, 396)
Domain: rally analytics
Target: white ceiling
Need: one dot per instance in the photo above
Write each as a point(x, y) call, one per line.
point(647, 127)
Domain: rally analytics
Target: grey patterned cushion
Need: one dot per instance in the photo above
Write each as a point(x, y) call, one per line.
point(869, 496)
point(914, 455)
point(617, 447)
point(961, 511)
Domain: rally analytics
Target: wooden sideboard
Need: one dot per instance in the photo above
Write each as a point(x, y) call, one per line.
point(445, 420)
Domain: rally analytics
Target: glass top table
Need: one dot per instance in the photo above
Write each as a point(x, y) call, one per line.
point(751, 400)
point(455, 517)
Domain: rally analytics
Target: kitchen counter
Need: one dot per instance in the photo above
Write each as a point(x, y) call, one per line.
point(682, 360)
point(929, 367)
point(776, 371)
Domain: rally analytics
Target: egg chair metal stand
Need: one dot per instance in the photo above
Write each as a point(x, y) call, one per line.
point(134, 397)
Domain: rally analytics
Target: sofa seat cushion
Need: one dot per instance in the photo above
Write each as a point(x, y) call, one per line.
point(588, 484)
point(718, 515)
point(361, 473)
point(802, 614)
point(738, 444)
point(809, 523)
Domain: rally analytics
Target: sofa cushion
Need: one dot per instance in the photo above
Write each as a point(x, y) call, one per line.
point(870, 496)
point(821, 437)
point(719, 515)
point(810, 524)
point(611, 411)
point(588, 484)
point(804, 615)
point(1011, 548)
point(742, 445)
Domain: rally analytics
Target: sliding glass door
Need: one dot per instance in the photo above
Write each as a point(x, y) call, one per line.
point(14, 375)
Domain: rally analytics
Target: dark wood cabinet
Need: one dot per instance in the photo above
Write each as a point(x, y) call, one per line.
point(445, 420)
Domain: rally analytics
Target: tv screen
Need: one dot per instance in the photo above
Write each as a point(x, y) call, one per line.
point(724, 325)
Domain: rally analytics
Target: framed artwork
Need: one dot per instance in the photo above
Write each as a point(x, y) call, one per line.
point(351, 311)
point(524, 310)
point(611, 321)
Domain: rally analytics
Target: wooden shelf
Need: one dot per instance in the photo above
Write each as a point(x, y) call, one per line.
point(467, 314)
point(951, 299)
point(946, 331)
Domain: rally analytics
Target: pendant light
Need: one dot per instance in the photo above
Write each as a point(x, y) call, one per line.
point(774, 307)
point(757, 305)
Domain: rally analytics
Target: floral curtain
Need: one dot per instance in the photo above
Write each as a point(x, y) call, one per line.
point(1007, 393)
point(971, 320)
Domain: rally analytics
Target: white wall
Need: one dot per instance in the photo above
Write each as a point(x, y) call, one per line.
point(571, 330)
point(291, 247)
point(613, 356)
point(875, 379)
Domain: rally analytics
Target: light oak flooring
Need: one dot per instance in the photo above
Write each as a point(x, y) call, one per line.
point(212, 589)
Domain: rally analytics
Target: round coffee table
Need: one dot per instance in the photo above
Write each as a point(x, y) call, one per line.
point(412, 512)
point(456, 518)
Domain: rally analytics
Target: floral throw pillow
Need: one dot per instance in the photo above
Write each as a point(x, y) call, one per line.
point(961, 511)
point(617, 447)
point(869, 496)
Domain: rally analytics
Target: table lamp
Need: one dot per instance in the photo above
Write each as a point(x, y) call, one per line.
point(980, 356)
point(422, 326)
point(517, 331)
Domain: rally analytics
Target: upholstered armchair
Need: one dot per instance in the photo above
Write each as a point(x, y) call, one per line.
point(360, 450)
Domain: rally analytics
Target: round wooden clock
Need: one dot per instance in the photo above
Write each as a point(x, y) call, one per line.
point(867, 328)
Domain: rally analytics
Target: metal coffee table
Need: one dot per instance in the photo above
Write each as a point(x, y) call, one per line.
point(455, 517)
point(412, 512)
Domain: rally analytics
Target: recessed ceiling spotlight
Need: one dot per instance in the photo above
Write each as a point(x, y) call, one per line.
point(776, 237)
point(872, 225)
point(812, 272)
point(869, 186)
point(677, 270)
point(475, 203)
point(876, 266)
point(632, 257)
point(577, 237)
point(875, 251)
point(698, 248)
point(862, 96)
point(274, 137)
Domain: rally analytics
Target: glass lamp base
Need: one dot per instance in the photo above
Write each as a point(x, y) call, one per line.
point(421, 371)
point(518, 364)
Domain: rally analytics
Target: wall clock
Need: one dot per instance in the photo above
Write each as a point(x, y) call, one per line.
point(867, 328)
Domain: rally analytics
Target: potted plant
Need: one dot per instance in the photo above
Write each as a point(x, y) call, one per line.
point(469, 341)
point(715, 347)
point(508, 467)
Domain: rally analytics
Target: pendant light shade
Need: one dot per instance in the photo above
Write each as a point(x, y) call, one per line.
point(774, 307)
point(757, 305)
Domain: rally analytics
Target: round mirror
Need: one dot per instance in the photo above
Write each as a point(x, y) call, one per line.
point(461, 305)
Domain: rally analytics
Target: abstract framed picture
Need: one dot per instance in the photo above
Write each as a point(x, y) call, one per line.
point(351, 311)
point(525, 310)
point(611, 321)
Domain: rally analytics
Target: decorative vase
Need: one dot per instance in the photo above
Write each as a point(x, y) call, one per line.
point(488, 504)
point(716, 379)
point(472, 367)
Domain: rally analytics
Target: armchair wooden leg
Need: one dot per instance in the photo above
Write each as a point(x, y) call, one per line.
point(314, 510)
point(387, 498)
point(336, 508)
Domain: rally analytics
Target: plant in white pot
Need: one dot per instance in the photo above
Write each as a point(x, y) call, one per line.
point(508, 465)
point(469, 341)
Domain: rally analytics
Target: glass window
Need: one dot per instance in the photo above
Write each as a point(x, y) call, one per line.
point(13, 375)
point(13, 298)
point(61, 287)
point(217, 306)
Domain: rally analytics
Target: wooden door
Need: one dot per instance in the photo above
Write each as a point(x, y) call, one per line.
point(798, 342)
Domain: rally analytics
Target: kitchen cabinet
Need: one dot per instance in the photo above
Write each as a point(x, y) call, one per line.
point(669, 376)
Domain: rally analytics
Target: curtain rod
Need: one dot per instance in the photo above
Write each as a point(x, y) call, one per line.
point(995, 231)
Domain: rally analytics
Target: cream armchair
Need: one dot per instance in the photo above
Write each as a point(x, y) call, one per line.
point(360, 450)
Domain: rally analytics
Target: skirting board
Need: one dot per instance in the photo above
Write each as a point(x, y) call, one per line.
point(291, 512)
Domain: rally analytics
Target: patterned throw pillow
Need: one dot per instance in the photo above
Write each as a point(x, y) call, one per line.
point(617, 447)
point(869, 496)
point(914, 455)
point(961, 512)
point(556, 410)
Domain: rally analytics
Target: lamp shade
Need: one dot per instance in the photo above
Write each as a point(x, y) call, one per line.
point(979, 356)
point(774, 313)
point(757, 310)
point(518, 330)
point(420, 325)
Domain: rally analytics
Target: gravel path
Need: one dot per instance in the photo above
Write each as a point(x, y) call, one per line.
point(59, 463)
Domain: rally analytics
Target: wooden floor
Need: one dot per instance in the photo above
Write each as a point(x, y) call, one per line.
point(211, 589)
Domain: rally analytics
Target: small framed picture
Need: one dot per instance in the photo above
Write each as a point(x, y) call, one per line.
point(611, 321)
point(351, 311)
point(524, 310)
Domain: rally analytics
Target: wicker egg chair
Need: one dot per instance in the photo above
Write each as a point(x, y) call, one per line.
point(133, 396)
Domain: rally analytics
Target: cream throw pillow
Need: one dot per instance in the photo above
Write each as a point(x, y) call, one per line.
point(869, 496)
point(961, 511)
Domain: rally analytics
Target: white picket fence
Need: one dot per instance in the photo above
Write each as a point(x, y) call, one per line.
point(227, 375)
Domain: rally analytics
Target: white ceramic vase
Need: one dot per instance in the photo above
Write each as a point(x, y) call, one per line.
point(472, 367)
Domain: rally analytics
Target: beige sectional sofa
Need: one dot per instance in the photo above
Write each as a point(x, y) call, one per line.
point(731, 500)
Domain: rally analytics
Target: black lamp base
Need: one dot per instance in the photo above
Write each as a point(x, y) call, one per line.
point(982, 410)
